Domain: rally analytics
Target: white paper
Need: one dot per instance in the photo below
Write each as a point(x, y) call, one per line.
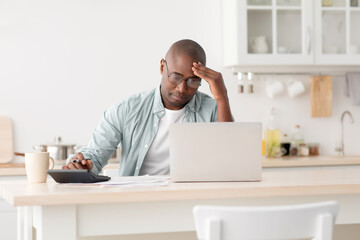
point(137, 181)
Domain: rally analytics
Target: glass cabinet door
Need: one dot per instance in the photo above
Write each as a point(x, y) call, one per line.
point(354, 43)
point(268, 32)
point(334, 32)
point(259, 31)
point(277, 29)
point(338, 24)
point(289, 32)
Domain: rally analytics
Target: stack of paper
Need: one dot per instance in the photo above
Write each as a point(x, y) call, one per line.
point(137, 181)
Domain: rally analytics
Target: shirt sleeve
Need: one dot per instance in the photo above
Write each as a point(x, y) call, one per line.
point(105, 138)
point(214, 117)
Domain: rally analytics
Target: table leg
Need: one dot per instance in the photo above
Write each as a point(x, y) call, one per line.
point(28, 223)
point(20, 223)
point(55, 222)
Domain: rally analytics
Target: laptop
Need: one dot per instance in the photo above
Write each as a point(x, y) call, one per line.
point(220, 151)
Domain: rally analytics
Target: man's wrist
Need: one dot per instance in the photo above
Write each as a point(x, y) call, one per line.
point(222, 99)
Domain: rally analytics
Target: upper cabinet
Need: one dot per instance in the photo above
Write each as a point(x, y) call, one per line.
point(338, 25)
point(291, 32)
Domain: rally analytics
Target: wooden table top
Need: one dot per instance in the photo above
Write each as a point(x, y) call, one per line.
point(275, 183)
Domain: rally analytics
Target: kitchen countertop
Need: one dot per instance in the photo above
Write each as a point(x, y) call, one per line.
point(19, 169)
point(316, 161)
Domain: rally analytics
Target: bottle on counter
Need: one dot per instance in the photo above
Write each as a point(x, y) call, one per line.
point(297, 138)
point(313, 149)
point(272, 137)
point(303, 150)
point(285, 145)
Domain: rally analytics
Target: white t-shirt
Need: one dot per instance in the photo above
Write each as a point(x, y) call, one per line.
point(157, 159)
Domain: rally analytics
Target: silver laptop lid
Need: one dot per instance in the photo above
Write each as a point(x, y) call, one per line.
point(221, 151)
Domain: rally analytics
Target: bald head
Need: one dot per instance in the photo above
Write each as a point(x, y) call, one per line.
point(187, 47)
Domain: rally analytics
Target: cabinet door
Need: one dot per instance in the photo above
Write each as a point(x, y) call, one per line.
point(8, 217)
point(338, 36)
point(268, 32)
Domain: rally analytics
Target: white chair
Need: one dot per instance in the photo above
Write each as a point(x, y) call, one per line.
point(305, 221)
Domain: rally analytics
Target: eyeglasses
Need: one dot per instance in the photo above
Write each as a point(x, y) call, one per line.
point(176, 79)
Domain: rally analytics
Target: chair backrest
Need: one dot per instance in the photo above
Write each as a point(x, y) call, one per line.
point(305, 221)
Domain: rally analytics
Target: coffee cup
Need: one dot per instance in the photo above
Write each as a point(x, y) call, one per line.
point(36, 165)
point(274, 88)
point(295, 89)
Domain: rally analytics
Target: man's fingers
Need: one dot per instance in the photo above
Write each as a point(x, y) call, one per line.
point(89, 164)
point(85, 164)
point(203, 72)
point(201, 67)
point(71, 166)
point(75, 166)
point(80, 156)
point(79, 165)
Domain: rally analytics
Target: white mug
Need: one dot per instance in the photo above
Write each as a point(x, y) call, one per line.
point(36, 165)
point(295, 89)
point(274, 88)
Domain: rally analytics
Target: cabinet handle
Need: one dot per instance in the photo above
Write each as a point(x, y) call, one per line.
point(308, 40)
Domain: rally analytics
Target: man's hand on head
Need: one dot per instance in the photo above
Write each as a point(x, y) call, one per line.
point(79, 162)
point(213, 78)
point(217, 88)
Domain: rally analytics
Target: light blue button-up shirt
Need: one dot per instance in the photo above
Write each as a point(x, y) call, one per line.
point(134, 123)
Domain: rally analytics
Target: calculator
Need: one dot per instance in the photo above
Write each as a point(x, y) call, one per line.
point(76, 176)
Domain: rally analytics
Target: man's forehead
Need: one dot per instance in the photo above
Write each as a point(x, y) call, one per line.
point(182, 59)
point(181, 63)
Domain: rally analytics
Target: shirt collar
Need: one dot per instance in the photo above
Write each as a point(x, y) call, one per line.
point(193, 105)
point(158, 105)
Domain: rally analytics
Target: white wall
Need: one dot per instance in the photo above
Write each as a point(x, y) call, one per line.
point(62, 63)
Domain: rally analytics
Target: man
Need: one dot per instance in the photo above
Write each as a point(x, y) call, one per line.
point(140, 123)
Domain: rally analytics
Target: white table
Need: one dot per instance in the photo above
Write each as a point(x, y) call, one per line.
point(97, 211)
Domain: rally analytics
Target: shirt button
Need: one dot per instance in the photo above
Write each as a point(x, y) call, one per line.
point(146, 146)
point(155, 125)
point(137, 168)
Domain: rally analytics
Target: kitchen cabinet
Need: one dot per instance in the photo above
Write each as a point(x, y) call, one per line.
point(338, 41)
point(8, 215)
point(8, 219)
point(290, 32)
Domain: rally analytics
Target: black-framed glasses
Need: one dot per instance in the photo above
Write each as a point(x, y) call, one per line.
point(176, 79)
